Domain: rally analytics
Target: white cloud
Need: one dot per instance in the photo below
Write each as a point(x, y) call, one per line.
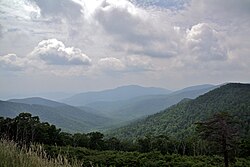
point(204, 43)
point(19, 9)
point(138, 30)
point(49, 57)
point(197, 38)
point(111, 64)
point(54, 52)
point(139, 63)
point(12, 62)
point(59, 8)
point(133, 63)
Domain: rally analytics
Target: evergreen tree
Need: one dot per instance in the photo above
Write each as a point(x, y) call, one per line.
point(220, 130)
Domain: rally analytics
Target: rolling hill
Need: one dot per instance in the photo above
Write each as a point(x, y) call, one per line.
point(178, 120)
point(66, 117)
point(38, 101)
point(120, 93)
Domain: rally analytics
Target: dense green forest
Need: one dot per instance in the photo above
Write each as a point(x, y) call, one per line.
point(69, 118)
point(96, 149)
point(211, 130)
point(178, 120)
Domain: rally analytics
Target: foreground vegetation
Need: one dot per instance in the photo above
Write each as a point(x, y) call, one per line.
point(13, 156)
point(212, 130)
point(150, 159)
point(93, 149)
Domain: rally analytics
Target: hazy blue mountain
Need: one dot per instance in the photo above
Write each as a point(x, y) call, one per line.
point(120, 93)
point(53, 95)
point(126, 110)
point(179, 119)
point(66, 117)
point(195, 88)
point(38, 101)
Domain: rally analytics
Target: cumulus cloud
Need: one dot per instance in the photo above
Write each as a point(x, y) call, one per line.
point(126, 64)
point(138, 63)
point(138, 30)
point(12, 62)
point(49, 57)
point(111, 64)
point(204, 43)
point(54, 52)
point(127, 36)
point(123, 14)
point(59, 8)
point(21, 10)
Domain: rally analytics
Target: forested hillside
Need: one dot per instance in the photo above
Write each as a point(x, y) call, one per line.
point(94, 149)
point(70, 119)
point(127, 110)
point(38, 101)
point(178, 120)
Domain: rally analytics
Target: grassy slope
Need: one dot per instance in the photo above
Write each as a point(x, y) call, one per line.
point(11, 156)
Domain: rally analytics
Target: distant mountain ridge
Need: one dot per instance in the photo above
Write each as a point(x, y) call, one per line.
point(102, 114)
point(38, 101)
point(196, 87)
point(126, 110)
point(120, 93)
point(67, 117)
point(179, 119)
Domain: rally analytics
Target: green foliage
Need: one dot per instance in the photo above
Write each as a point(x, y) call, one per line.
point(26, 129)
point(178, 120)
point(13, 156)
point(220, 130)
point(151, 159)
point(164, 139)
point(68, 118)
point(93, 149)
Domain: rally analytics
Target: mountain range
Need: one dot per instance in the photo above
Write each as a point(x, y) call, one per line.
point(120, 93)
point(106, 108)
point(68, 118)
point(178, 120)
point(131, 109)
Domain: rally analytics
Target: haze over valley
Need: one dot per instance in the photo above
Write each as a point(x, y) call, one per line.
point(145, 83)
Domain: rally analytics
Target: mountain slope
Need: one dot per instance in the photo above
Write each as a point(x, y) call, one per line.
point(195, 88)
point(38, 101)
point(66, 117)
point(179, 119)
point(138, 107)
point(120, 93)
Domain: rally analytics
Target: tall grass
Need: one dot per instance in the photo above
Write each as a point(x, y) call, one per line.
point(35, 156)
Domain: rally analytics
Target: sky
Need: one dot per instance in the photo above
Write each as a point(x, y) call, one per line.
point(80, 45)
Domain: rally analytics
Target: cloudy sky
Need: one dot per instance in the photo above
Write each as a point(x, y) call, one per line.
point(80, 45)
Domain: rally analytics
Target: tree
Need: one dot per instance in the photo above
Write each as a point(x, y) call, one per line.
point(163, 144)
point(96, 141)
point(220, 130)
point(80, 140)
point(113, 144)
point(145, 144)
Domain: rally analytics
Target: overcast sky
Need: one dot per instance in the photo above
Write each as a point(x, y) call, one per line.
point(80, 45)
